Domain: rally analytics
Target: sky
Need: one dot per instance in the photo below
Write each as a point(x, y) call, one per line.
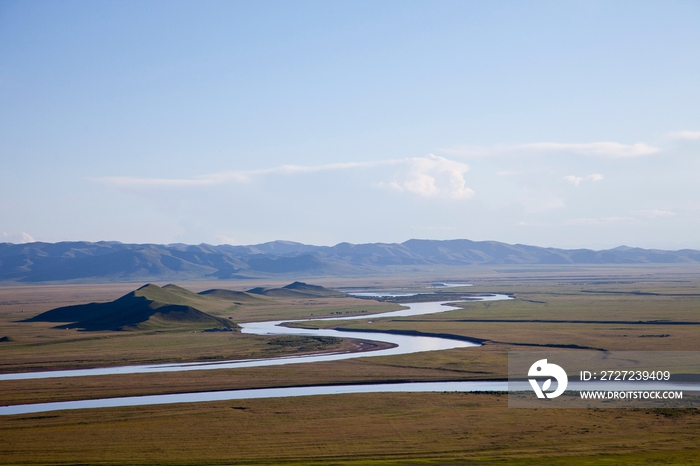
point(563, 124)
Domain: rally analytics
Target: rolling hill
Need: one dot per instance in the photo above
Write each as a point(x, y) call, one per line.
point(237, 297)
point(298, 290)
point(149, 307)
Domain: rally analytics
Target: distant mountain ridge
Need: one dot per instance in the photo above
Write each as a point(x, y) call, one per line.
point(114, 261)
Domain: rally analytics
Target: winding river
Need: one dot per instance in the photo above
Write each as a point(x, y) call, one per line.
point(284, 392)
point(401, 344)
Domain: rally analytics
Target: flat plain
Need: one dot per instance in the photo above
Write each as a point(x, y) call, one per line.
point(582, 308)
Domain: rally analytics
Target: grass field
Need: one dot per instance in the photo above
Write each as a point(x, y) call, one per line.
point(612, 308)
point(353, 429)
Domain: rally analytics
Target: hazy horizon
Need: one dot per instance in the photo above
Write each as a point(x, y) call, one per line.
point(329, 245)
point(568, 125)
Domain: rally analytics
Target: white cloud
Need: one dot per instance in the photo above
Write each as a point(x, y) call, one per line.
point(19, 238)
point(576, 180)
point(685, 135)
point(430, 176)
point(433, 176)
point(595, 149)
point(292, 169)
point(236, 176)
point(604, 149)
point(655, 213)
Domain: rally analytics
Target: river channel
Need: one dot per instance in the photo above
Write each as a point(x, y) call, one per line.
point(402, 344)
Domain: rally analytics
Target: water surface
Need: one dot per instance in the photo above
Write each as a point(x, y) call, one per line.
point(474, 386)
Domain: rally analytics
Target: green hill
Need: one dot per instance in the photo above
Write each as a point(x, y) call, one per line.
point(146, 308)
point(298, 290)
point(241, 297)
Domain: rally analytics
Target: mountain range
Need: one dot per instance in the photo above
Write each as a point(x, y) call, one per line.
point(114, 261)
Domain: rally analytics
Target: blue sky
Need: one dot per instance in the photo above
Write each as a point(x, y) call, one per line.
point(568, 124)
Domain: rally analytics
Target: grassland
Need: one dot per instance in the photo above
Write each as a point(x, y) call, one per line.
point(30, 346)
point(608, 307)
point(382, 429)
